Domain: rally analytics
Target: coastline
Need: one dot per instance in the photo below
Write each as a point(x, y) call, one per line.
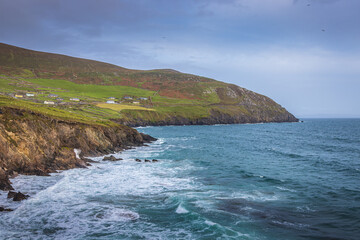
point(35, 144)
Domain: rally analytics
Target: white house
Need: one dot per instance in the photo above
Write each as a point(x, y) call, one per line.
point(75, 99)
point(111, 98)
point(49, 102)
point(143, 98)
point(53, 95)
point(135, 102)
point(127, 97)
point(30, 95)
point(110, 101)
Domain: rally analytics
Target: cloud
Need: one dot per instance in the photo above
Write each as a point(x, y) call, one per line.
point(254, 43)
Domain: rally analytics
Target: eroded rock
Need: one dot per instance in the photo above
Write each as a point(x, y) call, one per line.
point(17, 196)
point(2, 209)
point(111, 158)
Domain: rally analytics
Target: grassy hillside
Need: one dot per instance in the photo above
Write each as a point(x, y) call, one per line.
point(142, 97)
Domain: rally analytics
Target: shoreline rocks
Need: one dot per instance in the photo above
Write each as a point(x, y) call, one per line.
point(17, 196)
point(111, 158)
point(36, 144)
point(2, 209)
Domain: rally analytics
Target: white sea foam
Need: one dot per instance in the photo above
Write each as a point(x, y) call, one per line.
point(77, 153)
point(286, 189)
point(119, 215)
point(181, 210)
point(255, 195)
point(70, 199)
point(210, 223)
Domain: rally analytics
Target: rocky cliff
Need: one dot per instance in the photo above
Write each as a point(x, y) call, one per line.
point(31, 143)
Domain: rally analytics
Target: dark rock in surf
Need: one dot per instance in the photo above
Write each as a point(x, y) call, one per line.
point(11, 194)
point(155, 160)
point(2, 209)
point(147, 160)
point(138, 160)
point(17, 196)
point(111, 158)
point(147, 138)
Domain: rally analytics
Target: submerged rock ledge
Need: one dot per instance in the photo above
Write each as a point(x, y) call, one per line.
point(35, 144)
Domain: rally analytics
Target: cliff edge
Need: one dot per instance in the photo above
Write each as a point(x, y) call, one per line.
point(36, 144)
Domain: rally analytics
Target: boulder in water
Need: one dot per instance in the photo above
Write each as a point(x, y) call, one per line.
point(147, 160)
point(155, 160)
point(11, 194)
point(17, 196)
point(138, 160)
point(111, 158)
point(2, 209)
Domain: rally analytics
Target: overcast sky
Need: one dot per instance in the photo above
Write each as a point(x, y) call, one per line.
point(304, 54)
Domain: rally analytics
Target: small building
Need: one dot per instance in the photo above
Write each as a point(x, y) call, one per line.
point(110, 101)
point(127, 97)
point(60, 99)
point(53, 95)
point(75, 99)
point(143, 98)
point(19, 96)
point(30, 94)
point(49, 102)
point(111, 98)
point(136, 102)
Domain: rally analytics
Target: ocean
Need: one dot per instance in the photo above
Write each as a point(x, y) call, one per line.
point(246, 181)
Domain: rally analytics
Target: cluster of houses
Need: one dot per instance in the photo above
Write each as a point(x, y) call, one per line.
point(26, 95)
point(58, 99)
point(55, 96)
point(112, 100)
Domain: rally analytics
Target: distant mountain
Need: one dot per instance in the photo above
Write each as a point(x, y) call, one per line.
point(173, 97)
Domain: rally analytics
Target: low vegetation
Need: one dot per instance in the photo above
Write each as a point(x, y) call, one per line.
point(145, 96)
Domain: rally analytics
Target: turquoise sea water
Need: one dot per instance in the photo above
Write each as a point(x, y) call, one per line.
point(252, 181)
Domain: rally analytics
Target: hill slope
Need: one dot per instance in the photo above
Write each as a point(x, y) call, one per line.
point(154, 97)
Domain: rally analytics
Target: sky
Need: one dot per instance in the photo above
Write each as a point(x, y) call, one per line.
point(304, 54)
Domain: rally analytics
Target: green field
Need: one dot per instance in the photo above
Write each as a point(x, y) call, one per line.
point(93, 107)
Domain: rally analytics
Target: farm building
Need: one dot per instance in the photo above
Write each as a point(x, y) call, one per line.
point(53, 95)
point(110, 101)
point(75, 99)
point(19, 96)
point(49, 102)
point(143, 98)
point(127, 97)
point(135, 102)
point(30, 94)
point(111, 98)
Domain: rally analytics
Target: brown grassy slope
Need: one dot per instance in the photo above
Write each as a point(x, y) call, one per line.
point(47, 65)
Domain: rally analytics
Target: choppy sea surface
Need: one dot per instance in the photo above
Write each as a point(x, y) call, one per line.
point(252, 181)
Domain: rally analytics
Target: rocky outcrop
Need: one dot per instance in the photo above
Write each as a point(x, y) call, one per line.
point(2, 209)
point(35, 144)
point(111, 158)
point(216, 116)
point(17, 196)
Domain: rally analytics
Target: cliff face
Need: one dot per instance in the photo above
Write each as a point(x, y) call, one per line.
point(216, 117)
point(236, 105)
point(31, 143)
